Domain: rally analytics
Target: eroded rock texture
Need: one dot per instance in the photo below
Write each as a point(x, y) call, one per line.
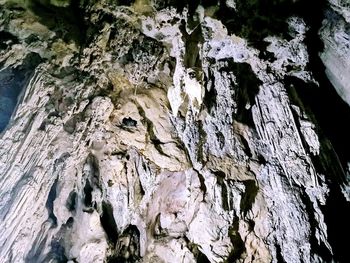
point(173, 131)
point(335, 33)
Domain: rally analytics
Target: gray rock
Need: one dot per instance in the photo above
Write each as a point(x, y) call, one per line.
point(335, 33)
point(163, 138)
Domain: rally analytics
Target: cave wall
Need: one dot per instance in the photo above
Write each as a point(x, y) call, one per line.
point(168, 131)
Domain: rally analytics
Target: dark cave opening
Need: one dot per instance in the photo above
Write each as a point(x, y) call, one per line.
point(12, 82)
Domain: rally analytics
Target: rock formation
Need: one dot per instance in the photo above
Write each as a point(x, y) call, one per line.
point(335, 33)
point(174, 131)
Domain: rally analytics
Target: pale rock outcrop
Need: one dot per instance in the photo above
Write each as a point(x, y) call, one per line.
point(164, 138)
point(335, 33)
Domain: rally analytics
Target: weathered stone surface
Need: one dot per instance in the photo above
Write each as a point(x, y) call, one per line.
point(157, 135)
point(335, 33)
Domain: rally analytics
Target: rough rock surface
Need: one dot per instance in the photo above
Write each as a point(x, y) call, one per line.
point(335, 33)
point(148, 131)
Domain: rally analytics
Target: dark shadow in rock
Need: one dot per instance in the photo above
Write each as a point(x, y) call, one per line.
point(108, 222)
point(337, 218)
point(248, 198)
point(245, 91)
point(331, 112)
point(12, 83)
point(220, 177)
point(237, 242)
point(49, 203)
point(93, 171)
point(322, 102)
point(129, 122)
point(57, 253)
point(142, 51)
point(125, 2)
point(279, 255)
point(210, 96)
point(71, 201)
point(191, 57)
point(201, 258)
point(70, 125)
point(245, 145)
point(7, 39)
point(191, 5)
point(128, 246)
point(161, 4)
point(67, 22)
point(69, 223)
point(255, 20)
point(88, 194)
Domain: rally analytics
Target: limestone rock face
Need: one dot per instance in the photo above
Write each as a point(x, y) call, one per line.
point(335, 33)
point(152, 131)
